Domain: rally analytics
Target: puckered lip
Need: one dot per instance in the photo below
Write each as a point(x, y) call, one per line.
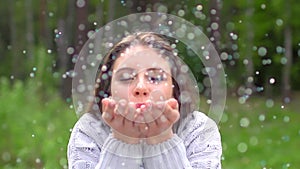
point(139, 105)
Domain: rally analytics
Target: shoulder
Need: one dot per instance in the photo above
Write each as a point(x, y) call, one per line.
point(90, 127)
point(202, 140)
point(84, 146)
point(195, 120)
point(198, 127)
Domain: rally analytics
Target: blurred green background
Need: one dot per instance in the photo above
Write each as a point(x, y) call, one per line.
point(258, 42)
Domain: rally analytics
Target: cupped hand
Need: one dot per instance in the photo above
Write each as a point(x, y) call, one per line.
point(152, 122)
point(159, 120)
point(117, 115)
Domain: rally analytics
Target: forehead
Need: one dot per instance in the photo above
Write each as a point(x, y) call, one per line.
point(141, 57)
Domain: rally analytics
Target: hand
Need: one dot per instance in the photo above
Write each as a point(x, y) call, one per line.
point(118, 116)
point(153, 121)
point(159, 119)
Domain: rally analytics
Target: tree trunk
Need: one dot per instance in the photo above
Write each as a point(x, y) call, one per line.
point(63, 59)
point(215, 36)
point(249, 53)
point(81, 26)
point(70, 23)
point(111, 10)
point(141, 5)
point(29, 29)
point(99, 15)
point(286, 72)
point(45, 33)
point(13, 41)
point(63, 42)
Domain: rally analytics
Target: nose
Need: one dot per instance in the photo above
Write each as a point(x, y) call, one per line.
point(141, 89)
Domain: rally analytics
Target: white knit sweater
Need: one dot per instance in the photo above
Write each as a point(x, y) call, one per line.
point(196, 145)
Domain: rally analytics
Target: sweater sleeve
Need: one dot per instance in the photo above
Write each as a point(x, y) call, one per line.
point(91, 147)
point(119, 155)
point(197, 146)
point(170, 154)
point(83, 152)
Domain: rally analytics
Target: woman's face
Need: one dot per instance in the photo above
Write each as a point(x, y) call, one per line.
point(139, 74)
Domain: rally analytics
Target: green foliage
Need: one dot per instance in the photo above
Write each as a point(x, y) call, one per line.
point(35, 129)
point(261, 133)
point(261, 24)
point(42, 67)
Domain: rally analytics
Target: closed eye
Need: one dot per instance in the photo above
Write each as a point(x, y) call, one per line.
point(127, 76)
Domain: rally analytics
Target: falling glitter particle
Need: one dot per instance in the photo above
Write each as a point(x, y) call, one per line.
point(242, 147)
point(269, 103)
point(262, 51)
point(244, 122)
point(199, 7)
point(261, 117)
point(272, 80)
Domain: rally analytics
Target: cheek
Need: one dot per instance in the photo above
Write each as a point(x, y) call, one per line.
point(119, 91)
point(168, 90)
point(165, 89)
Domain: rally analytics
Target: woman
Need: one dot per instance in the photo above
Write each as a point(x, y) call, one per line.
point(148, 117)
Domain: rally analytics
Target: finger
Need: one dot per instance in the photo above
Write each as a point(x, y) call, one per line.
point(117, 110)
point(130, 111)
point(171, 115)
point(112, 104)
point(147, 112)
point(107, 110)
point(174, 115)
point(121, 107)
point(160, 123)
point(107, 117)
point(143, 128)
point(108, 104)
point(173, 103)
point(157, 109)
point(117, 122)
point(138, 116)
point(127, 113)
point(104, 103)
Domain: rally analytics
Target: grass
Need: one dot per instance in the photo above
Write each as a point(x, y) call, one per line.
point(261, 133)
point(35, 127)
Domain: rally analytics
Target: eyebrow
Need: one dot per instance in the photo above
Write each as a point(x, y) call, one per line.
point(131, 69)
point(155, 68)
point(123, 69)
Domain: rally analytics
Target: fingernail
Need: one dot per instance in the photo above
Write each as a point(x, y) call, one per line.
point(105, 101)
point(112, 103)
point(173, 103)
